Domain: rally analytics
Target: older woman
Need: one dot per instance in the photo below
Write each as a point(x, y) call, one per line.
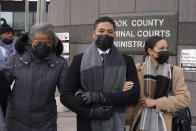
point(37, 68)
point(154, 110)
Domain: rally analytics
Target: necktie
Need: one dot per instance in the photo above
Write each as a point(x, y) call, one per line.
point(104, 58)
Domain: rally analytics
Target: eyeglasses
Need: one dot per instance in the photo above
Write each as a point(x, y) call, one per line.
point(42, 43)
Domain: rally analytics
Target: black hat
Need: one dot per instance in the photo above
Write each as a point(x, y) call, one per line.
point(5, 28)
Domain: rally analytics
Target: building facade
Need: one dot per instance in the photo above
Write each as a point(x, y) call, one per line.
point(78, 16)
point(14, 13)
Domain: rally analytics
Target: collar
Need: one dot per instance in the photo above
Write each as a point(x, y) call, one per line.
point(103, 52)
point(5, 45)
point(28, 57)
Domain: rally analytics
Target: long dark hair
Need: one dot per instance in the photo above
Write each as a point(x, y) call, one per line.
point(150, 43)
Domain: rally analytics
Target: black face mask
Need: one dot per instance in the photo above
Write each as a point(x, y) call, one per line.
point(7, 41)
point(42, 52)
point(163, 56)
point(104, 42)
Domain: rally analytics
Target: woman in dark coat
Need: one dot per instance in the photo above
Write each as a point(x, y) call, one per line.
point(36, 69)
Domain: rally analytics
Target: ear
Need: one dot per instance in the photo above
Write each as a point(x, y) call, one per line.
point(150, 52)
point(94, 35)
point(32, 44)
point(114, 35)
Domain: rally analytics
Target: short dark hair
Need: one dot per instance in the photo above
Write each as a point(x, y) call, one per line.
point(104, 19)
point(150, 43)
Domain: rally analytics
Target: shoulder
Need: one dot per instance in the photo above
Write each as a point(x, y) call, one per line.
point(13, 59)
point(62, 59)
point(2, 49)
point(62, 62)
point(177, 71)
point(176, 68)
point(77, 58)
point(127, 58)
point(14, 56)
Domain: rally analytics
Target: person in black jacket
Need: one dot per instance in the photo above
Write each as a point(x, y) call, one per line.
point(3, 96)
point(95, 82)
point(6, 49)
point(36, 68)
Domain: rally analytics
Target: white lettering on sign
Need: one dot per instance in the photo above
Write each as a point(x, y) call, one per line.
point(129, 44)
point(149, 33)
point(124, 34)
point(132, 31)
point(121, 23)
point(142, 33)
point(147, 22)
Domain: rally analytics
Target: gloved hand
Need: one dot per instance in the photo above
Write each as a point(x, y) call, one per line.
point(101, 113)
point(92, 98)
point(78, 95)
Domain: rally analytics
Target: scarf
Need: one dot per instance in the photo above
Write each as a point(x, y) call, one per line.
point(155, 86)
point(5, 52)
point(109, 77)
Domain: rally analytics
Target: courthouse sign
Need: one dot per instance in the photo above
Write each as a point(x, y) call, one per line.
point(188, 60)
point(134, 28)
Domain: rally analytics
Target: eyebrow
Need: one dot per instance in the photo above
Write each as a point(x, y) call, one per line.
point(101, 29)
point(42, 41)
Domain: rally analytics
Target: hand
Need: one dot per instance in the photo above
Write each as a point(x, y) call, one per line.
point(128, 85)
point(92, 98)
point(78, 95)
point(101, 113)
point(146, 102)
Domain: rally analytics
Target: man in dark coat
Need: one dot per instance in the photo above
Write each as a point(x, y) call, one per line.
point(37, 69)
point(95, 82)
point(6, 49)
point(3, 96)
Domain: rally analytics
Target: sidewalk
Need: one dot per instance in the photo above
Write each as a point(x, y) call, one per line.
point(67, 122)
